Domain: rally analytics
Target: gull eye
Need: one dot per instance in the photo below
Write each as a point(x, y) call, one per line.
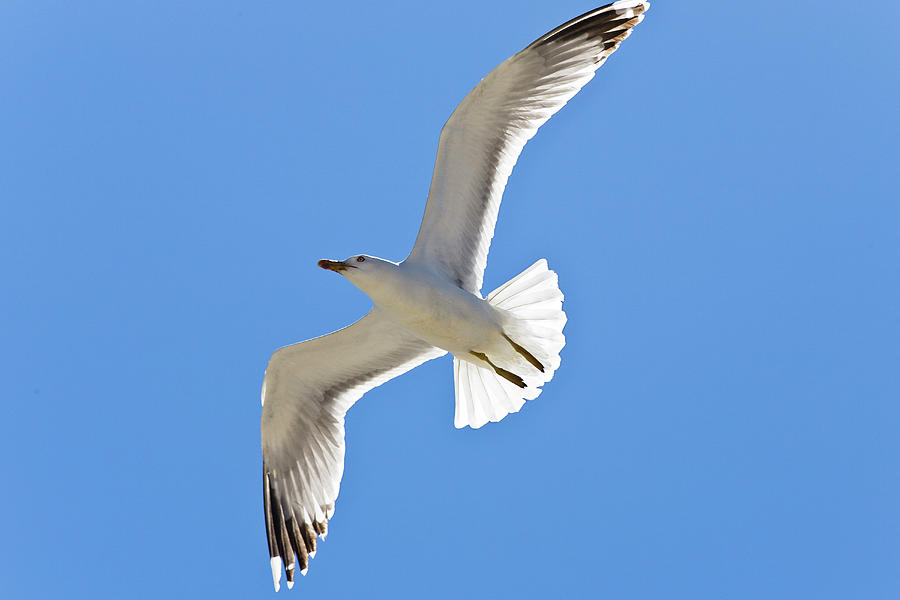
point(360, 259)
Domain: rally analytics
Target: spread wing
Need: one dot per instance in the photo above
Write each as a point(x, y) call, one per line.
point(482, 140)
point(307, 390)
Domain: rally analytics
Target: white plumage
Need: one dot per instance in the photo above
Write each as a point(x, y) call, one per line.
point(533, 301)
point(505, 346)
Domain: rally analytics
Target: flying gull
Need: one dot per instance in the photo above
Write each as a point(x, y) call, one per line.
point(504, 346)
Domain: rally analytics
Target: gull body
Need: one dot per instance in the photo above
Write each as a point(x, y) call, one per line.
point(429, 305)
point(506, 345)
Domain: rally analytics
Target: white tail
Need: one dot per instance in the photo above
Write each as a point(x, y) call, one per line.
point(534, 319)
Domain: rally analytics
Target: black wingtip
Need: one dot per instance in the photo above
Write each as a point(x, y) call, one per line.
point(603, 19)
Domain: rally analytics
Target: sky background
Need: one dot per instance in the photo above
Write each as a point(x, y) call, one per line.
point(721, 205)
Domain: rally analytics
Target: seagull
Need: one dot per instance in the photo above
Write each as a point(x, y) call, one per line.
point(505, 346)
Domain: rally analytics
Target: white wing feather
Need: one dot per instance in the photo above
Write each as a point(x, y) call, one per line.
point(307, 390)
point(482, 140)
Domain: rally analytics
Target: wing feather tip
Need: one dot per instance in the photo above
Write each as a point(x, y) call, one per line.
point(275, 563)
point(621, 5)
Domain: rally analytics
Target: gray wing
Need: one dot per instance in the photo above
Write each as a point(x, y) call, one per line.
point(307, 390)
point(482, 140)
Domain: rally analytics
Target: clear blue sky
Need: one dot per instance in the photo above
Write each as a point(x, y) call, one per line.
point(723, 214)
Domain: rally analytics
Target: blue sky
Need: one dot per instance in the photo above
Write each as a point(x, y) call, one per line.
point(721, 205)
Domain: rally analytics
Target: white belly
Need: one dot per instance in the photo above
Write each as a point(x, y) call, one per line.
point(442, 314)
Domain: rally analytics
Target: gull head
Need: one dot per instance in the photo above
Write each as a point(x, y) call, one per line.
point(371, 274)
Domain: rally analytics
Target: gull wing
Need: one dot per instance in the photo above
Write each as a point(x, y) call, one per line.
point(482, 140)
point(307, 390)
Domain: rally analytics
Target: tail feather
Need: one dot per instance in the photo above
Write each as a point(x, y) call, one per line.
point(521, 282)
point(531, 297)
point(479, 390)
point(483, 396)
point(532, 306)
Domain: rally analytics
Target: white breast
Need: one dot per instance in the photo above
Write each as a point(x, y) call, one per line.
point(435, 309)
